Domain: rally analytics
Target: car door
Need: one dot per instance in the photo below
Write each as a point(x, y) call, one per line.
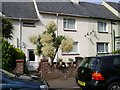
point(116, 65)
point(5, 84)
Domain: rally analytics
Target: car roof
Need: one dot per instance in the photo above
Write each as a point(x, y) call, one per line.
point(104, 56)
point(108, 56)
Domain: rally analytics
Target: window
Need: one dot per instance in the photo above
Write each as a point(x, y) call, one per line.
point(28, 24)
point(74, 50)
point(69, 24)
point(116, 61)
point(91, 63)
point(102, 47)
point(117, 43)
point(102, 27)
point(31, 55)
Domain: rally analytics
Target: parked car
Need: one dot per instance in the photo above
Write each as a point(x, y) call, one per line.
point(28, 77)
point(9, 81)
point(100, 72)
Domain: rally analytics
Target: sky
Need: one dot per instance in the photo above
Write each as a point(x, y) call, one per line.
point(100, 0)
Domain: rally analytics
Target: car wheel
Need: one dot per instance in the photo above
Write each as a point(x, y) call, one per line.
point(114, 86)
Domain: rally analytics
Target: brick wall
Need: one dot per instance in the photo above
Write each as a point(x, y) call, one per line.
point(19, 66)
point(54, 72)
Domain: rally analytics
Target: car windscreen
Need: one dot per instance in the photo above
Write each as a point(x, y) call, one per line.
point(91, 63)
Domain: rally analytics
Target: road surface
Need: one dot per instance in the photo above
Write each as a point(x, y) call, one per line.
point(63, 84)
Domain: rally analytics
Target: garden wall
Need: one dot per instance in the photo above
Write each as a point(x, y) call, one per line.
point(55, 72)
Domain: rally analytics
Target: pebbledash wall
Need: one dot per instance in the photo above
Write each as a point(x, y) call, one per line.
point(85, 34)
point(86, 44)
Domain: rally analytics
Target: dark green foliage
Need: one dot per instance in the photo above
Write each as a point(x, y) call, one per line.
point(116, 52)
point(9, 53)
point(58, 41)
point(9, 56)
point(7, 28)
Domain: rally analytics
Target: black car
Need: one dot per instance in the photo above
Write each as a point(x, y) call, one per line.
point(100, 72)
point(9, 81)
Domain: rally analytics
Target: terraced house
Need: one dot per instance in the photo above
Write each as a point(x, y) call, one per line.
point(95, 28)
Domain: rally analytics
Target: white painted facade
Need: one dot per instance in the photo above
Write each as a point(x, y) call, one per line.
point(87, 44)
point(117, 26)
point(85, 33)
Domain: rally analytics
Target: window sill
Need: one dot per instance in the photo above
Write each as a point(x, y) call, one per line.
point(29, 26)
point(103, 32)
point(70, 54)
point(102, 52)
point(72, 30)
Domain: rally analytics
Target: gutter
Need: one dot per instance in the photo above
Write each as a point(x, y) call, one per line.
point(82, 16)
point(54, 13)
point(23, 19)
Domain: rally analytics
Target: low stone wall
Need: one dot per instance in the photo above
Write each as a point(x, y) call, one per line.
point(54, 72)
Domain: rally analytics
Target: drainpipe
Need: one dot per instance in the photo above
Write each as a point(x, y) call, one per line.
point(111, 37)
point(20, 33)
point(113, 40)
point(57, 23)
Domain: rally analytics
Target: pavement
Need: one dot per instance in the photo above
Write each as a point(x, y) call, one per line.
point(68, 83)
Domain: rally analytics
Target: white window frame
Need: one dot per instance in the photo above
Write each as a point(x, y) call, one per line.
point(106, 50)
point(104, 27)
point(71, 52)
point(66, 27)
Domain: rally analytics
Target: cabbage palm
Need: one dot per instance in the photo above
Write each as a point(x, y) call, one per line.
point(48, 43)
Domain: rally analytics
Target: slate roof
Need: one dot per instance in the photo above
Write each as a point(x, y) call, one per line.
point(24, 10)
point(83, 9)
point(58, 7)
point(96, 10)
point(115, 5)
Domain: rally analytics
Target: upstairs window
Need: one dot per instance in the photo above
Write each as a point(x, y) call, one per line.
point(69, 24)
point(29, 24)
point(102, 27)
point(102, 47)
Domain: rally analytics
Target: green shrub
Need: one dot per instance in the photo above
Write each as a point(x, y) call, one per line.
point(116, 52)
point(9, 55)
point(19, 54)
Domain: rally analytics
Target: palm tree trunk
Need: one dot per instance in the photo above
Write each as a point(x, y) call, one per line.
point(52, 59)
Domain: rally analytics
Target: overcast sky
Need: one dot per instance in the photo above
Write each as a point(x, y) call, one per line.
point(100, 0)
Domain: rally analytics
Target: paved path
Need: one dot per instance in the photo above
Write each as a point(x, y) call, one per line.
point(64, 84)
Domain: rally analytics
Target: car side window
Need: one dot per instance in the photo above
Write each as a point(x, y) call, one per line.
point(116, 61)
point(0, 81)
point(94, 63)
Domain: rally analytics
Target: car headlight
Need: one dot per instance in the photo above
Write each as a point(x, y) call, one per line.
point(43, 87)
